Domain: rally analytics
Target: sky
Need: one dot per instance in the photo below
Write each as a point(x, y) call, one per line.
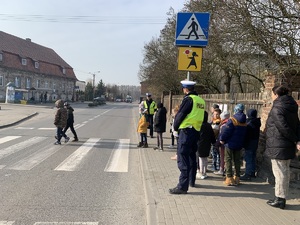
point(101, 37)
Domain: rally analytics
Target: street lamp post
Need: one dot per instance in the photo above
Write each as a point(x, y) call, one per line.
point(94, 74)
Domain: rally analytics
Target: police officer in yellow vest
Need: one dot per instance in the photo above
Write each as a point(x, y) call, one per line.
point(151, 106)
point(188, 122)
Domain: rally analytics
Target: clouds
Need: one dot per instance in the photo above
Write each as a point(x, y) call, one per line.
point(91, 35)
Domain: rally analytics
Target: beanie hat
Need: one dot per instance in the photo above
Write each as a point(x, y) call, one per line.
point(225, 115)
point(239, 108)
point(215, 106)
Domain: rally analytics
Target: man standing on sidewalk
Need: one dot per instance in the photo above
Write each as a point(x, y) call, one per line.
point(188, 122)
point(151, 106)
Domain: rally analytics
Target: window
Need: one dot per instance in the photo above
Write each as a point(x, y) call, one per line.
point(46, 84)
point(1, 80)
point(24, 61)
point(36, 65)
point(1, 57)
point(38, 83)
point(64, 70)
point(17, 82)
point(28, 83)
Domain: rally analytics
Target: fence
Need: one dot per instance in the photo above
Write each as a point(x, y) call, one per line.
point(225, 101)
point(258, 101)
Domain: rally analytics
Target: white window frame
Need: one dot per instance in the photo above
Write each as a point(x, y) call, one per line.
point(24, 61)
point(18, 82)
point(28, 82)
point(1, 81)
point(46, 84)
point(36, 64)
point(64, 70)
point(1, 56)
point(38, 83)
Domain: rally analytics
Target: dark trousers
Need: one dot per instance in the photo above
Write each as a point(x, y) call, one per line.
point(143, 137)
point(150, 120)
point(70, 125)
point(250, 157)
point(232, 157)
point(59, 133)
point(186, 157)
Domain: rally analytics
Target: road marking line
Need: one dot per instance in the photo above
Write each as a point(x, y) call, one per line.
point(24, 128)
point(66, 223)
point(70, 163)
point(20, 146)
point(7, 222)
point(47, 128)
point(8, 138)
point(34, 159)
point(118, 161)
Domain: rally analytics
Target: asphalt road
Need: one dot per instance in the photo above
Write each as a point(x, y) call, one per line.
point(97, 180)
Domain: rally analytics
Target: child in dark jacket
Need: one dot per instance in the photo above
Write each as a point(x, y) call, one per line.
point(159, 122)
point(251, 143)
point(233, 136)
point(207, 138)
point(224, 118)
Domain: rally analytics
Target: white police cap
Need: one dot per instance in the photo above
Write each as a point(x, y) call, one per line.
point(187, 83)
point(148, 94)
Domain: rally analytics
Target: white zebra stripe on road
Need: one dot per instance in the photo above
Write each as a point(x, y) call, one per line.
point(65, 223)
point(7, 222)
point(118, 161)
point(20, 146)
point(8, 138)
point(35, 159)
point(70, 163)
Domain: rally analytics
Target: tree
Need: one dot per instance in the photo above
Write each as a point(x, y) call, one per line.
point(89, 92)
point(100, 89)
point(246, 37)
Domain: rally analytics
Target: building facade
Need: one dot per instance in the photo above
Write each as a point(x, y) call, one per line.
point(37, 72)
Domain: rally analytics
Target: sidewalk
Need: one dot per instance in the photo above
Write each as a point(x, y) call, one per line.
point(210, 202)
point(11, 114)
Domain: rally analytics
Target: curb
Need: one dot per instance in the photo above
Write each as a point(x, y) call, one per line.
point(19, 121)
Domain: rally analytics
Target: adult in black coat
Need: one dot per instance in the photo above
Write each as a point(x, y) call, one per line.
point(159, 123)
point(282, 138)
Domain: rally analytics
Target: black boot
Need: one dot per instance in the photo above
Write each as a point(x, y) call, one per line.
point(145, 145)
point(277, 202)
point(140, 144)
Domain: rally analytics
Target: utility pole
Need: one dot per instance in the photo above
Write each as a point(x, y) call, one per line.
point(94, 75)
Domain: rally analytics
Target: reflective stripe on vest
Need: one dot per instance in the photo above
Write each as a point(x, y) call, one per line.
point(152, 107)
point(195, 117)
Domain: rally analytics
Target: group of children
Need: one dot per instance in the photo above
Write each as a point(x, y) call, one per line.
point(209, 143)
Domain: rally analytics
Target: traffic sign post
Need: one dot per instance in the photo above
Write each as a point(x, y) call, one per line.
point(192, 29)
point(189, 59)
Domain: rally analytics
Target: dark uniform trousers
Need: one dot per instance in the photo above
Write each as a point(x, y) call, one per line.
point(186, 157)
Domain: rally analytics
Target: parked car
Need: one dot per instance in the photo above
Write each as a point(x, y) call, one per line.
point(99, 100)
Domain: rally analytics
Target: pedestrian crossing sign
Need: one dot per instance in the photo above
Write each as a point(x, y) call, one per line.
point(189, 59)
point(192, 29)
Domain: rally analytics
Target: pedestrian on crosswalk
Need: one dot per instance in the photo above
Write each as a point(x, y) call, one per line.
point(70, 121)
point(60, 121)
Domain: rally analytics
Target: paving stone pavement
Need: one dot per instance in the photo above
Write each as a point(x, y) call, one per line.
point(210, 202)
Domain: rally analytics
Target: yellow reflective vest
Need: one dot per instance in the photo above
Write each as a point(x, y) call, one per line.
point(195, 117)
point(152, 107)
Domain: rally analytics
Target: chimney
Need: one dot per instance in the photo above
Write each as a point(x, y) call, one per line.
point(28, 39)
